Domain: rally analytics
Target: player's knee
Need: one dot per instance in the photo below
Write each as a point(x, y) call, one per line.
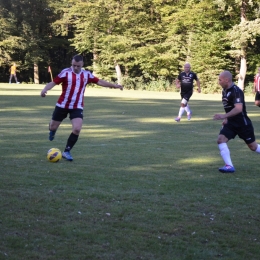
point(252, 146)
point(76, 130)
point(53, 125)
point(222, 139)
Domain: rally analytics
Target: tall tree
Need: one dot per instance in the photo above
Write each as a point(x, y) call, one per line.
point(244, 32)
point(29, 32)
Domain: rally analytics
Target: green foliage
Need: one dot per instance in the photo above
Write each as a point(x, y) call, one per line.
point(141, 83)
point(149, 40)
point(244, 33)
point(249, 88)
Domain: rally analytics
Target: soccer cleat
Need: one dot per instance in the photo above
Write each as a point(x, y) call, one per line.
point(177, 119)
point(52, 135)
point(67, 156)
point(189, 115)
point(227, 169)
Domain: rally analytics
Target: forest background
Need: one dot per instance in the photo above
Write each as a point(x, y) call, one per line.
point(140, 44)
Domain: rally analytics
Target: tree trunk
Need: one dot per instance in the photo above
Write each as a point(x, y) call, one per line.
point(243, 67)
point(36, 73)
point(118, 73)
point(95, 58)
point(242, 73)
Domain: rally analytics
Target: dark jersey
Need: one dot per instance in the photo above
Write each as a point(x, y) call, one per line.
point(187, 80)
point(230, 97)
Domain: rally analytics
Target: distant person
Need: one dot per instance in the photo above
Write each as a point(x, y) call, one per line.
point(185, 83)
point(257, 88)
point(71, 100)
point(13, 74)
point(235, 121)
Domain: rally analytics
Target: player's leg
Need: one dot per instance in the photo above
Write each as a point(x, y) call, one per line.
point(178, 118)
point(76, 117)
point(255, 147)
point(181, 110)
point(10, 79)
point(15, 79)
point(224, 136)
point(187, 107)
point(53, 126)
point(182, 107)
point(189, 112)
point(257, 99)
point(57, 117)
point(248, 136)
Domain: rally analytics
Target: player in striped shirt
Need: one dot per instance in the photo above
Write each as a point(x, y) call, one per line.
point(257, 88)
point(71, 100)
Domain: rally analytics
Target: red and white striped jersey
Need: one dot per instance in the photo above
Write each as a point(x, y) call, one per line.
point(73, 87)
point(257, 82)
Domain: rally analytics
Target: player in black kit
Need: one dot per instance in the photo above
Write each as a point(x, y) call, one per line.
point(235, 121)
point(185, 82)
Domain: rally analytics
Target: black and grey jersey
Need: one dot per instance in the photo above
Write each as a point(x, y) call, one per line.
point(230, 97)
point(186, 80)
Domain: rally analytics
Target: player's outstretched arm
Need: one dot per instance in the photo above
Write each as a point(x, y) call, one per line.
point(107, 84)
point(46, 88)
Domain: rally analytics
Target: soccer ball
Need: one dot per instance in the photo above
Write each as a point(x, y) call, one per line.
point(54, 155)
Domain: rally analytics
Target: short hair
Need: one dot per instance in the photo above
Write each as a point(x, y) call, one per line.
point(77, 58)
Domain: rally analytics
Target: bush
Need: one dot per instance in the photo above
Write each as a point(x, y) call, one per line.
point(139, 83)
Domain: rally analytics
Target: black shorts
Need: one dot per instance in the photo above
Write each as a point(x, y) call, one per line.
point(257, 96)
point(187, 94)
point(245, 132)
point(61, 113)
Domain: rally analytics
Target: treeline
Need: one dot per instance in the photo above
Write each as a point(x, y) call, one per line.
point(142, 44)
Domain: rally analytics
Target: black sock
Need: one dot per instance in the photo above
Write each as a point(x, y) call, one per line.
point(71, 142)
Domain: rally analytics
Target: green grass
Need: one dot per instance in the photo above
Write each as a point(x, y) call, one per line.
point(141, 186)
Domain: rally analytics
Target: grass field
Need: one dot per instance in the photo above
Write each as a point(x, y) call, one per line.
point(141, 186)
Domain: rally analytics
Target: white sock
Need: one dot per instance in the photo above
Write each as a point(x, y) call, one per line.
point(225, 153)
point(257, 149)
point(181, 111)
point(187, 109)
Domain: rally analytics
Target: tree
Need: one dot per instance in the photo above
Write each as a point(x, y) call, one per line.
point(27, 35)
point(244, 33)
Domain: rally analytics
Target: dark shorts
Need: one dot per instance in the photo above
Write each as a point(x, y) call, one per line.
point(187, 94)
point(246, 132)
point(257, 96)
point(61, 113)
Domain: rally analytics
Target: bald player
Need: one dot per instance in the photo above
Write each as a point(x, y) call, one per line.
point(235, 120)
point(185, 83)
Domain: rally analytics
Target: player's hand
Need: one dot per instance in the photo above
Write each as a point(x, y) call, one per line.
point(224, 121)
point(119, 86)
point(177, 83)
point(43, 93)
point(199, 90)
point(218, 117)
